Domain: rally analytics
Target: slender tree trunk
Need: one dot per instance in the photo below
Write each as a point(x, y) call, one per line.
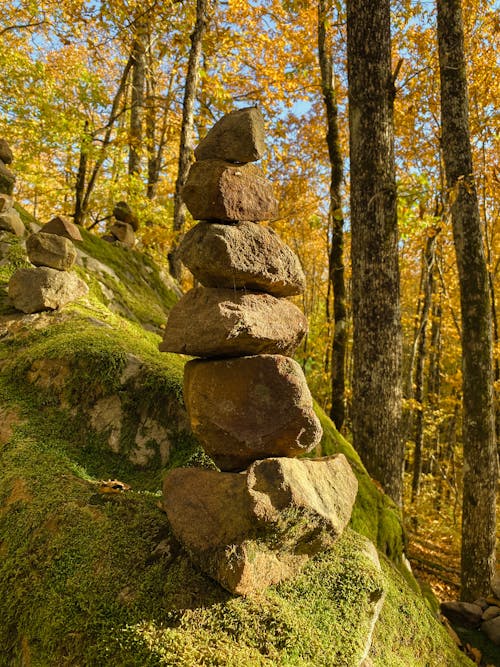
point(377, 347)
point(81, 175)
point(137, 101)
point(428, 288)
point(336, 259)
point(187, 125)
point(480, 456)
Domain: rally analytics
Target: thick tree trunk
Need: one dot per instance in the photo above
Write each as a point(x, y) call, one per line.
point(336, 259)
point(428, 288)
point(480, 457)
point(137, 101)
point(185, 146)
point(376, 417)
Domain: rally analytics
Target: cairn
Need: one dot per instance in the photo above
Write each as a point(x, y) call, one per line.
point(123, 227)
point(10, 220)
point(247, 400)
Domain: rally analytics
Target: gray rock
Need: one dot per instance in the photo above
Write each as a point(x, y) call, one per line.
point(491, 612)
point(237, 137)
point(42, 288)
point(51, 250)
point(123, 213)
point(491, 629)
point(210, 322)
point(123, 232)
point(7, 180)
point(11, 222)
point(219, 190)
point(464, 614)
point(63, 227)
point(250, 408)
point(254, 529)
point(242, 256)
point(6, 155)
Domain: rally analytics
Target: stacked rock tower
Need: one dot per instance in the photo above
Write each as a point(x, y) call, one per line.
point(247, 400)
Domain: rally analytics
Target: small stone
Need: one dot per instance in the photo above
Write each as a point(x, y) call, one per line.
point(123, 232)
point(464, 614)
point(210, 322)
point(6, 203)
point(123, 213)
point(6, 155)
point(42, 288)
point(11, 222)
point(491, 612)
point(62, 227)
point(219, 190)
point(51, 250)
point(481, 602)
point(7, 180)
point(250, 408)
point(251, 530)
point(491, 629)
point(237, 137)
point(242, 256)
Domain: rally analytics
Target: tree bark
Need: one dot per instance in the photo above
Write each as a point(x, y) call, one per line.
point(137, 101)
point(81, 175)
point(377, 347)
point(480, 457)
point(336, 258)
point(185, 146)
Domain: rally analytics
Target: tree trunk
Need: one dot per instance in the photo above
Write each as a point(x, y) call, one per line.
point(137, 101)
point(81, 175)
point(185, 146)
point(480, 457)
point(377, 347)
point(428, 288)
point(336, 259)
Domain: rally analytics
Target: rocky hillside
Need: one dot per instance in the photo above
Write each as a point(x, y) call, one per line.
point(90, 573)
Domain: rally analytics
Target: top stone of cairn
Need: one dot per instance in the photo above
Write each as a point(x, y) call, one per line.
point(236, 137)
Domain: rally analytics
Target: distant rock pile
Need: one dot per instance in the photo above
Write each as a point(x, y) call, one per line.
point(124, 225)
point(10, 219)
point(247, 400)
point(50, 285)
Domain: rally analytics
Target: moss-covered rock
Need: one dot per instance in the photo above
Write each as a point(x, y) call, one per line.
point(88, 578)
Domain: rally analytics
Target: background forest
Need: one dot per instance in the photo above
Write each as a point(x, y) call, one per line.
point(95, 104)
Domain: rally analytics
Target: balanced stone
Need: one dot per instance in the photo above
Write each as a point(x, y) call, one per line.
point(219, 190)
point(251, 530)
point(51, 250)
point(123, 213)
point(6, 203)
point(34, 290)
point(240, 256)
point(62, 227)
point(237, 137)
point(209, 322)
point(7, 180)
point(5, 152)
point(123, 232)
point(10, 220)
point(250, 408)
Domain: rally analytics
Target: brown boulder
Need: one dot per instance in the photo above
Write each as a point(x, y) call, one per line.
point(250, 408)
point(237, 137)
point(123, 232)
point(62, 227)
point(6, 155)
point(219, 190)
point(240, 256)
point(123, 213)
point(210, 322)
point(51, 250)
point(6, 203)
point(7, 180)
point(491, 629)
point(10, 220)
point(280, 513)
point(34, 290)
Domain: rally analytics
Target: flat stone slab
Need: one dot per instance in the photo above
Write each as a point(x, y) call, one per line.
point(211, 322)
point(62, 227)
point(254, 529)
point(220, 190)
point(242, 256)
point(250, 408)
point(237, 137)
point(42, 288)
point(51, 250)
